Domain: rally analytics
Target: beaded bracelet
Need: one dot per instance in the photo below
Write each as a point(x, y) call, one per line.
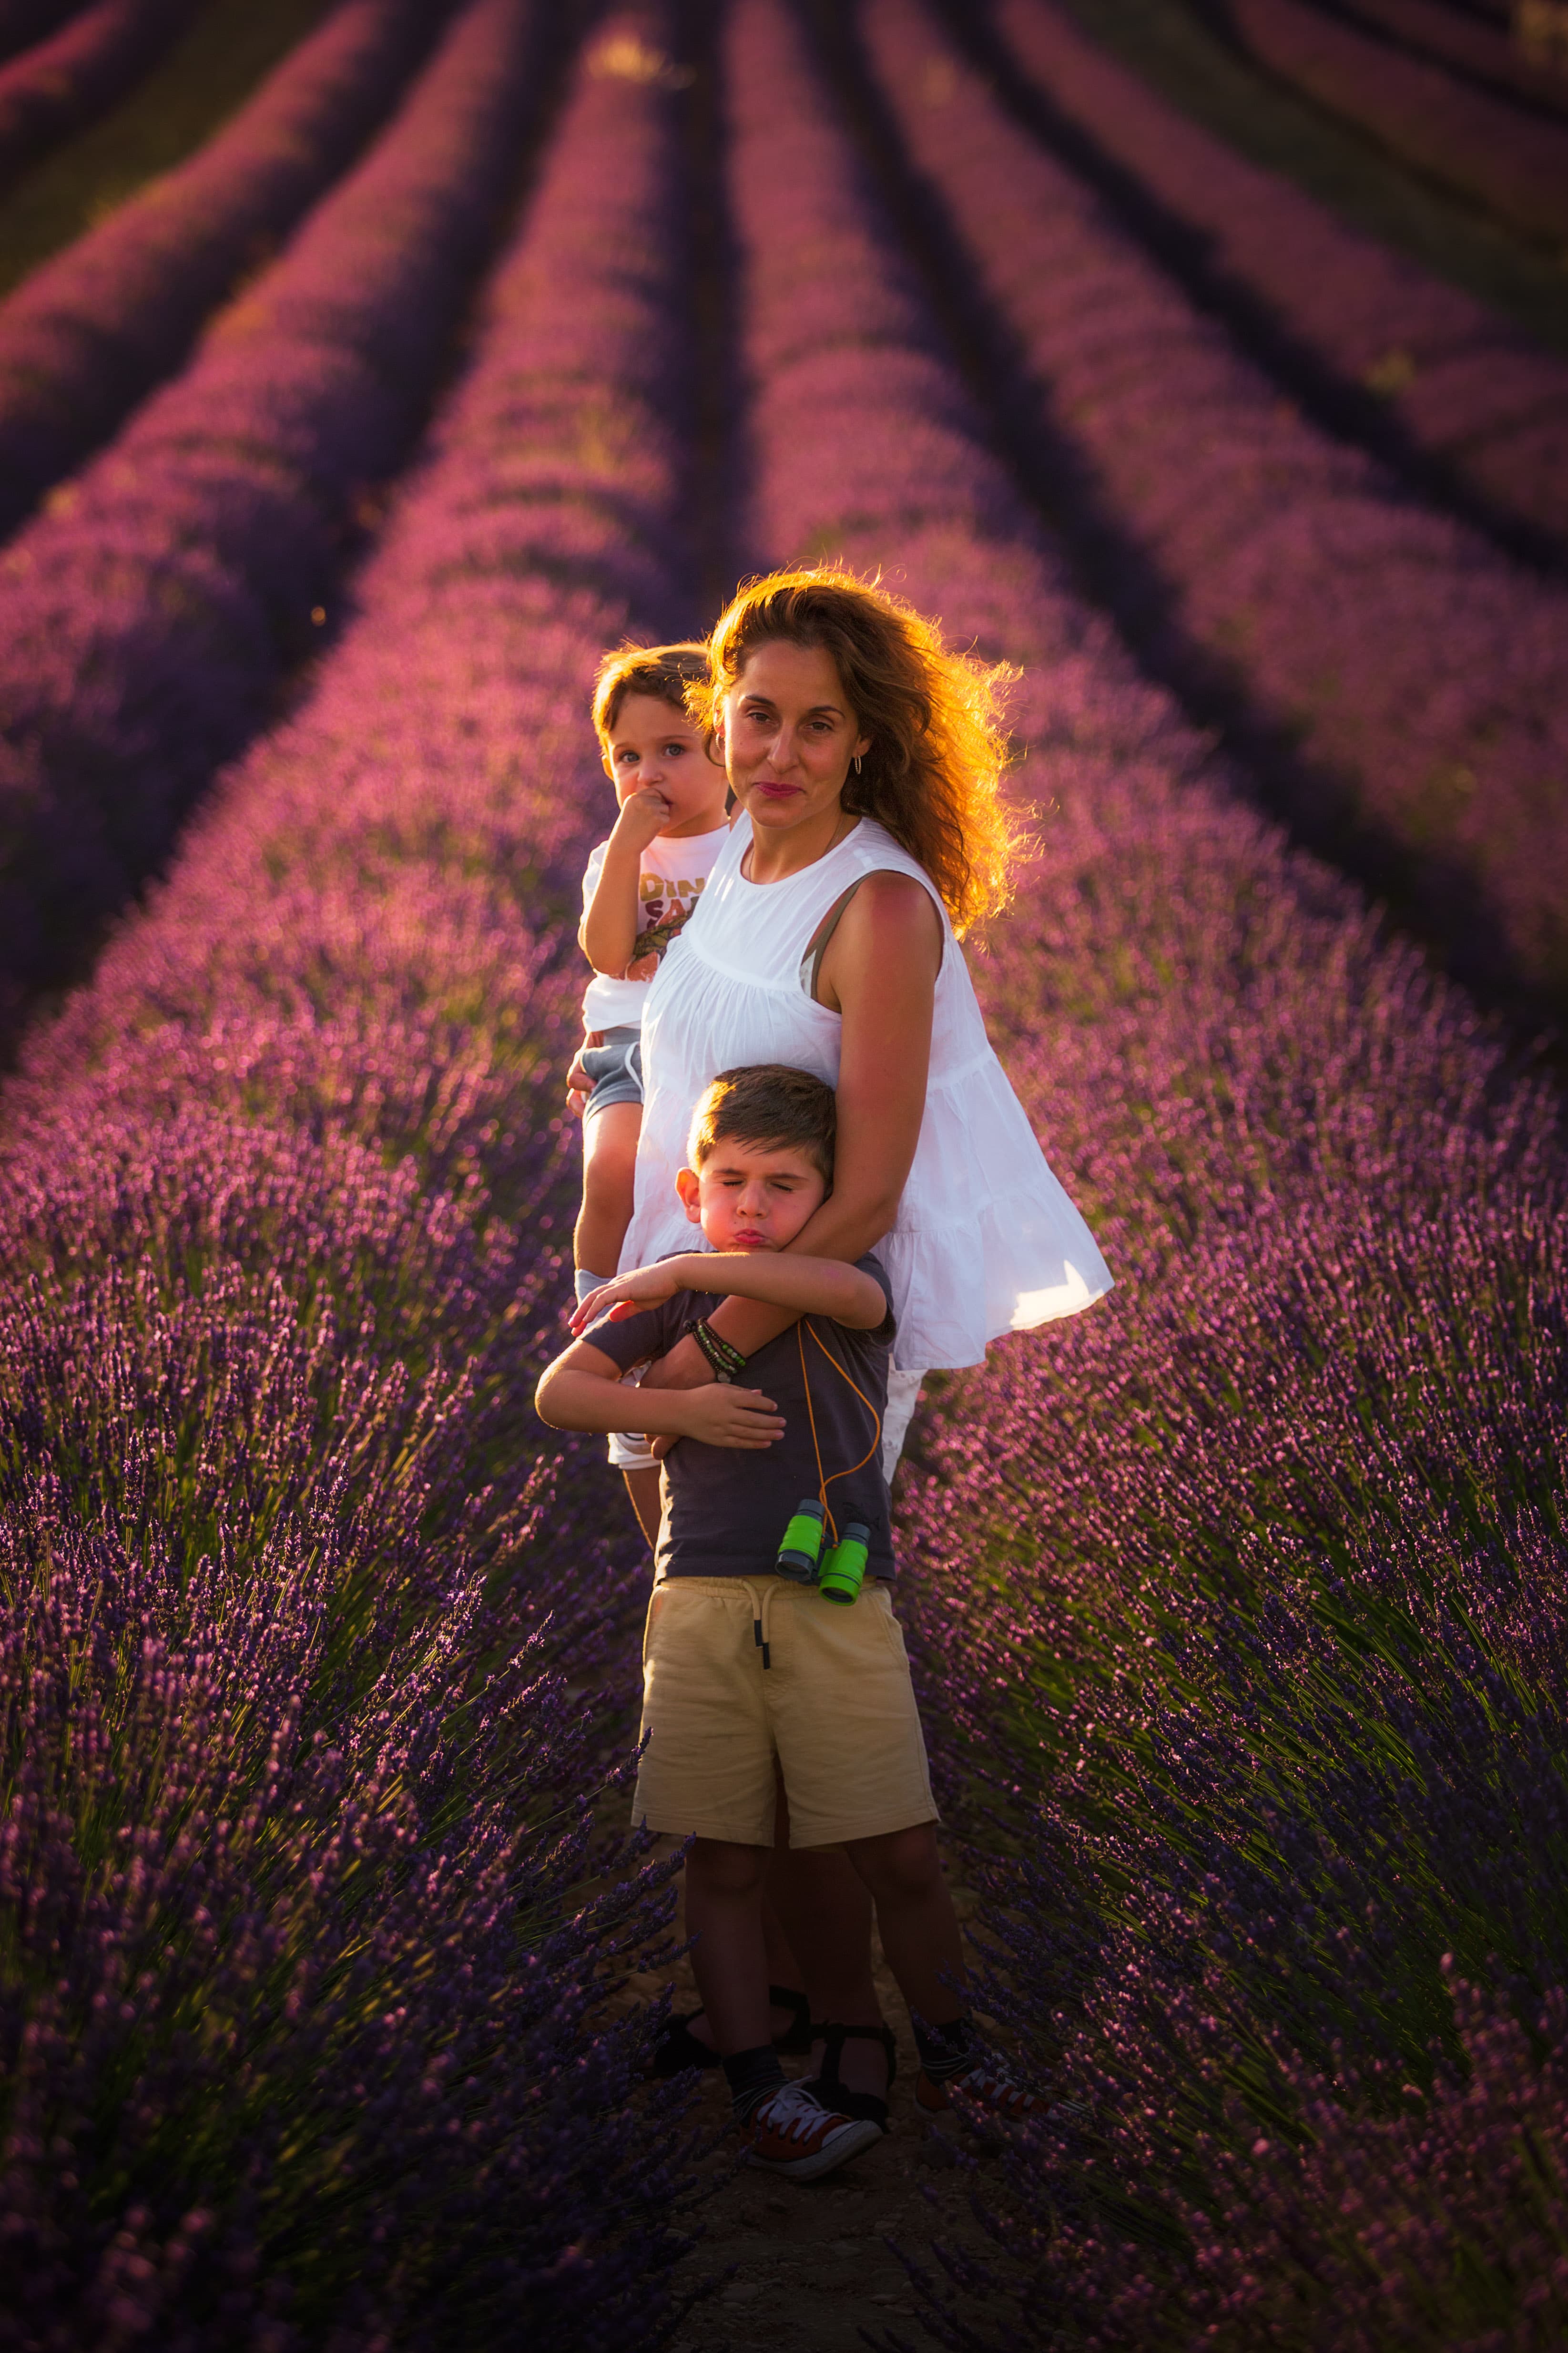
point(727, 1363)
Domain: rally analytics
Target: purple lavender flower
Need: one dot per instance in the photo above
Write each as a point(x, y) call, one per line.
point(1238, 1611)
point(88, 333)
point(1514, 161)
point(149, 611)
point(67, 79)
point(1462, 385)
point(291, 1594)
point(1415, 671)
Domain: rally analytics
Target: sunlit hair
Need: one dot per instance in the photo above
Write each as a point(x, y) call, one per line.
point(772, 1106)
point(932, 775)
point(669, 673)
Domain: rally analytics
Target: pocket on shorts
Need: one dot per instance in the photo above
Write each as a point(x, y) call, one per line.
point(892, 1632)
point(655, 1610)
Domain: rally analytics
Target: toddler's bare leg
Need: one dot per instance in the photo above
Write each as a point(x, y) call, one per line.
point(728, 1957)
point(609, 1164)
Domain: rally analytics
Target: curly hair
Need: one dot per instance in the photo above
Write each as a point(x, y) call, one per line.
point(933, 772)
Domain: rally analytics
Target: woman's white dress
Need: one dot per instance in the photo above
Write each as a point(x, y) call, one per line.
point(986, 1241)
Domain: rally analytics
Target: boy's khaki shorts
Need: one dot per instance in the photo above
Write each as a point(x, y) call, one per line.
point(834, 1708)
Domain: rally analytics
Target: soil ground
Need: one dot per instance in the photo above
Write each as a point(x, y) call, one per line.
point(813, 2268)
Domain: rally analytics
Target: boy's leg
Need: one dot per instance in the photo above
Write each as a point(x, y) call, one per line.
point(728, 1956)
point(609, 1168)
point(919, 1936)
point(823, 1908)
point(790, 2133)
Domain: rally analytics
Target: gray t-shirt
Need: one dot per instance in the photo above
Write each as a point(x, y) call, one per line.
point(726, 1507)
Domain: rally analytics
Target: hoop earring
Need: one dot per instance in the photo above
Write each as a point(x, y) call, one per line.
point(857, 763)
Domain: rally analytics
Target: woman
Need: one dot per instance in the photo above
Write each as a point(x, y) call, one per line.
point(865, 760)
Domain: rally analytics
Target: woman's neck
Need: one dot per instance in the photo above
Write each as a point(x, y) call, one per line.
point(777, 852)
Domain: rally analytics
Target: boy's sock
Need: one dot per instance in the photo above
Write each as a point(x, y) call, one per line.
point(753, 2075)
point(946, 2051)
point(584, 1282)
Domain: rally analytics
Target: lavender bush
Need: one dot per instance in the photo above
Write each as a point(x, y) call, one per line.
point(1516, 162)
point(1416, 672)
point(1379, 336)
point(287, 1203)
point(1480, 51)
point(64, 81)
point(22, 21)
point(1239, 1606)
point(89, 333)
point(147, 613)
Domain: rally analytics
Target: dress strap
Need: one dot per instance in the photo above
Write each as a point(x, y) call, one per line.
point(816, 947)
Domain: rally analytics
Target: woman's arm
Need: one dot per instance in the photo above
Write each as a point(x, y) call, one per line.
point(806, 1286)
point(880, 972)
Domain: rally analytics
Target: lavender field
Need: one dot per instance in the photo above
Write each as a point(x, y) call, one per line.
point(1239, 1606)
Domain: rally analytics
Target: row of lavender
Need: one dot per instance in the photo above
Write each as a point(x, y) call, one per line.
point(63, 81)
point(1496, 55)
point(1409, 675)
point(149, 613)
point(22, 22)
point(1431, 378)
point(89, 334)
point(1241, 1600)
point(1513, 159)
point(303, 2012)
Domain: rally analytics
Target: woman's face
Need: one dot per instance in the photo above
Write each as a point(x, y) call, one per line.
point(789, 735)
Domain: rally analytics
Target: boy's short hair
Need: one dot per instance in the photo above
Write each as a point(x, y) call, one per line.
point(667, 672)
point(767, 1104)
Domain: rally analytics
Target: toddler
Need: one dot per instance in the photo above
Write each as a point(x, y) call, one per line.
point(640, 886)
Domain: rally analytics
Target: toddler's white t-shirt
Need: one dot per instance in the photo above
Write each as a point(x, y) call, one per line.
point(669, 887)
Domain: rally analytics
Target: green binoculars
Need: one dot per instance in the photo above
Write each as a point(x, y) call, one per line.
point(838, 1575)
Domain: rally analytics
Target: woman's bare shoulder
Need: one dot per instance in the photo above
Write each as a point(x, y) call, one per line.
point(890, 928)
point(890, 909)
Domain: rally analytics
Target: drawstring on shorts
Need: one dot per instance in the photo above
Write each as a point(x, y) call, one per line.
point(760, 1613)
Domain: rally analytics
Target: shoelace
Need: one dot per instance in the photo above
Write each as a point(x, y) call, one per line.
point(799, 2108)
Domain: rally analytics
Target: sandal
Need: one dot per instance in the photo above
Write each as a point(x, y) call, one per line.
point(829, 2087)
point(676, 2047)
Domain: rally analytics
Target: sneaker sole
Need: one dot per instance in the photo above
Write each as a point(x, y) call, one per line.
point(819, 2161)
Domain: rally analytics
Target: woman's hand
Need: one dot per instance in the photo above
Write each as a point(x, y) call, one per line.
point(579, 1085)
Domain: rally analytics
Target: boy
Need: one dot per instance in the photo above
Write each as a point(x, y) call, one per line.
point(743, 1666)
point(639, 888)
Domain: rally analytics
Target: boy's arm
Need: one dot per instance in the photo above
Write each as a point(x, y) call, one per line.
point(806, 1286)
point(610, 928)
point(583, 1389)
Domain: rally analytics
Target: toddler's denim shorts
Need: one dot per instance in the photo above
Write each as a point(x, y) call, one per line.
point(616, 1069)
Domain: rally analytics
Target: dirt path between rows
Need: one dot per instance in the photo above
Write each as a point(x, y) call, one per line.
point(812, 2266)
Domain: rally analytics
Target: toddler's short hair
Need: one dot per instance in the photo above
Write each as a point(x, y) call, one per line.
point(767, 1104)
point(667, 672)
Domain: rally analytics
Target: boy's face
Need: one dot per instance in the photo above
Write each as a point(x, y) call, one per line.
point(653, 749)
point(751, 1196)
